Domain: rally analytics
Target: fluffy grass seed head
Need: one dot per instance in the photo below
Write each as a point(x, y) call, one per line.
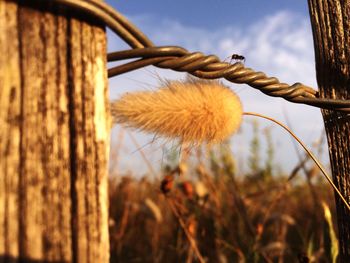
point(194, 111)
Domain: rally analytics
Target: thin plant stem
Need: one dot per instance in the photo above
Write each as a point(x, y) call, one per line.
point(307, 150)
point(188, 235)
point(143, 155)
point(303, 166)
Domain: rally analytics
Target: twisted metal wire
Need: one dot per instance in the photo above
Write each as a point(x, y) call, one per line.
point(196, 63)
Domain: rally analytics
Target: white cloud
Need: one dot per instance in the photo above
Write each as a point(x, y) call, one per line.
point(279, 45)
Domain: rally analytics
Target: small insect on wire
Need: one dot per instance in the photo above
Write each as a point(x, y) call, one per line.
point(237, 57)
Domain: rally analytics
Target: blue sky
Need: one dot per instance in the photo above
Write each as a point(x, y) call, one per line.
point(274, 36)
point(210, 14)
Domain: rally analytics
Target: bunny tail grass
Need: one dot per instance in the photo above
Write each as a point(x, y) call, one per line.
point(194, 111)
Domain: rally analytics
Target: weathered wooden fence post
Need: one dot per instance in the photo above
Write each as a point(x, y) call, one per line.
point(331, 31)
point(54, 135)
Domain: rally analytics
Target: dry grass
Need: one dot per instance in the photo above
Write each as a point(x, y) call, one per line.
point(229, 218)
point(193, 111)
point(214, 215)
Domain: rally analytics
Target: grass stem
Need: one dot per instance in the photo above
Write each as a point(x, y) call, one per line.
point(308, 152)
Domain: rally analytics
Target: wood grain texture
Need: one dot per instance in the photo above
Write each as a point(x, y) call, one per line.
point(10, 111)
point(331, 31)
point(55, 135)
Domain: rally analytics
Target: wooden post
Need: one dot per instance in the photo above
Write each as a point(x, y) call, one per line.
point(54, 135)
point(331, 31)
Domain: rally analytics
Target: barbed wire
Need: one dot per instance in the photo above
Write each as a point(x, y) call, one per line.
point(196, 63)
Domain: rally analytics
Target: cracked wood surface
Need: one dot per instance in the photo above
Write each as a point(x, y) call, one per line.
point(54, 136)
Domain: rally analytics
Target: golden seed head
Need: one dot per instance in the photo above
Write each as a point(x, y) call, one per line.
point(194, 111)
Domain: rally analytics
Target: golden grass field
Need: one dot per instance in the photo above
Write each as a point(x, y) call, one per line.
point(212, 214)
point(199, 209)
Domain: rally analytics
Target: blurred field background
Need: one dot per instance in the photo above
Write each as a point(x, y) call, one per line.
point(253, 199)
point(212, 213)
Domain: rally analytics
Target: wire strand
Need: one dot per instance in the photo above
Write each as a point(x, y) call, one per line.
point(197, 64)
